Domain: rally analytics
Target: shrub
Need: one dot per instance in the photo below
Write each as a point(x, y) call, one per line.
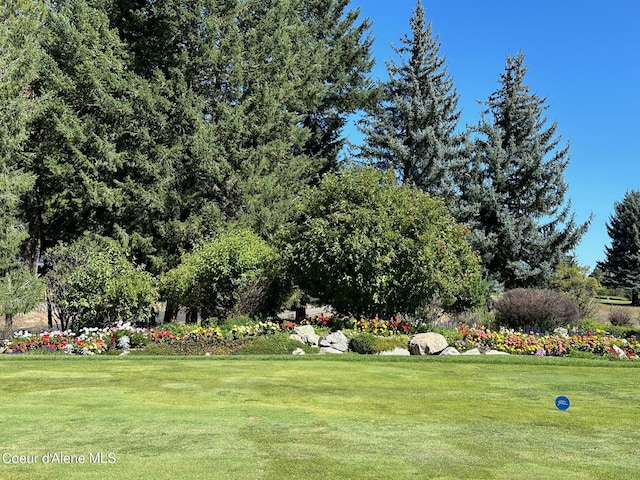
point(545, 310)
point(236, 273)
point(477, 316)
point(619, 317)
point(20, 290)
point(91, 283)
point(368, 343)
point(574, 281)
point(363, 343)
point(371, 247)
point(276, 344)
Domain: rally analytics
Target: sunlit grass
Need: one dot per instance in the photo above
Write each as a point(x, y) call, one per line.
point(322, 417)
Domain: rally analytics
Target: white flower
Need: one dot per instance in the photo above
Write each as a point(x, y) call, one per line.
point(123, 342)
point(562, 332)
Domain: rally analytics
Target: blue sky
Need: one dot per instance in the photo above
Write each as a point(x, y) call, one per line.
point(583, 56)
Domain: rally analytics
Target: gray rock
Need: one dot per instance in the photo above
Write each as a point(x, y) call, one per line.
point(473, 351)
point(305, 334)
point(298, 351)
point(330, 350)
point(396, 351)
point(336, 340)
point(618, 351)
point(476, 351)
point(427, 344)
point(450, 351)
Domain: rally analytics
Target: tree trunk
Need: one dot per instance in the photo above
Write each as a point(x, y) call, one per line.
point(192, 316)
point(169, 312)
point(34, 243)
point(635, 301)
point(49, 313)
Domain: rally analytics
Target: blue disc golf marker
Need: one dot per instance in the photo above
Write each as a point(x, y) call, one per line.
point(562, 403)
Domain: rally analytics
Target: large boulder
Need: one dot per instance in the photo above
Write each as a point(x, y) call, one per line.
point(305, 334)
point(335, 341)
point(429, 343)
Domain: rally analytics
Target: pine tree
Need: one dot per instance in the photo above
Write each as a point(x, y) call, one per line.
point(621, 268)
point(413, 129)
point(20, 289)
point(337, 82)
point(512, 193)
point(82, 140)
point(258, 91)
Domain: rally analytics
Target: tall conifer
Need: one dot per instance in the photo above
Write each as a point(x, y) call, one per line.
point(413, 128)
point(513, 190)
point(621, 268)
point(259, 92)
point(80, 139)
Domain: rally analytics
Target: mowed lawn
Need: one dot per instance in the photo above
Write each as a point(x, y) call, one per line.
point(321, 417)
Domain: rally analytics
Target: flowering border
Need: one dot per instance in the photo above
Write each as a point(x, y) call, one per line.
point(123, 336)
point(560, 343)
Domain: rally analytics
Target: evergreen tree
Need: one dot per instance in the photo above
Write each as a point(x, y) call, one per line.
point(512, 193)
point(20, 289)
point(81, 140)
point(258, 94)
point(413, 128)
point(621, 268)
point(337, 81)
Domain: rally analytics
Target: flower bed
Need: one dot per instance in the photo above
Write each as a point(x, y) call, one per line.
point(394, 326)
point(560, 343)
point(93, 341)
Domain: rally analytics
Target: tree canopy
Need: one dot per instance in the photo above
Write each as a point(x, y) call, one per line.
point(163, 124)
point(621, 267)
point(155, 121)
point(368, 246)
point(512, 191)
point(413, 128)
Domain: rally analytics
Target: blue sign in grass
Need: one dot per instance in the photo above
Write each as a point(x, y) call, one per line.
point(562, 403)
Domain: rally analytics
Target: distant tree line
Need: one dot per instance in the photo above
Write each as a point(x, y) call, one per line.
point(167, 125)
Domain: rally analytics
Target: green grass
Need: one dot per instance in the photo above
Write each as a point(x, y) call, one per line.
point(321, 417)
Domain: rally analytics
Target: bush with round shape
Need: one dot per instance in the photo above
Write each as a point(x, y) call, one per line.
point(275, 344)
point(91, 283)
point(619, 317)
point(574, 281)
point(538, 309)
point(369, 246)
point(235, 273)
